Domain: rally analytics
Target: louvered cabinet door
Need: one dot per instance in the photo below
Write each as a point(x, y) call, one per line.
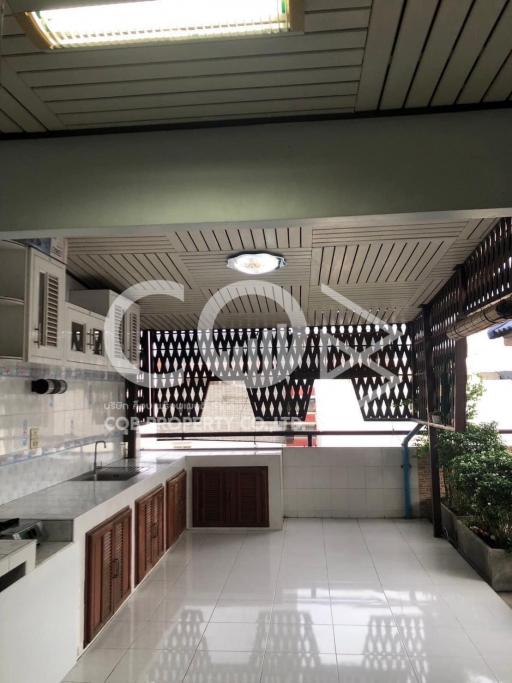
point(181, 503)
point(47, 283)
point(107, 571)
point(121, 559)
point(230, 496)
point(172, 532)
point(157, 529)
point(133, 334)
point(209, 504)
point(248, 496)
point(176, 507)
point(149, 531)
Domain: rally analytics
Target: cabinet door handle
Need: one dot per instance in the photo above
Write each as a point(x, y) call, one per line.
point(115, 568)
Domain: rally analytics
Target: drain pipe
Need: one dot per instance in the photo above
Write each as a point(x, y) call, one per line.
point(406, 466)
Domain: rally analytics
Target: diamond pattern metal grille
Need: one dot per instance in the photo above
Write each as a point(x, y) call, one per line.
point(376, 359)
point(485, 276)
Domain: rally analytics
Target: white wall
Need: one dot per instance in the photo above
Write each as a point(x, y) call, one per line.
point(244, 175)
point(38, 640)
point(345, 482)
point(67, 423)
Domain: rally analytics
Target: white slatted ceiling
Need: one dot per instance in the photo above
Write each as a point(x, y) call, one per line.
point(356, 55)
point(387, 269)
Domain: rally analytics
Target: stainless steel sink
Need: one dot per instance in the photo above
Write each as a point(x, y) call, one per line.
point(110, 474)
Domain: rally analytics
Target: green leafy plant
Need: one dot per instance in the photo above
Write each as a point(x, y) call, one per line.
point(469, 445)
point(474, 392)
point(482, 484)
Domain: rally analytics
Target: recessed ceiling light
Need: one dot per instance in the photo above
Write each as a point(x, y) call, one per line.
point(256, 263)
point(161, 20)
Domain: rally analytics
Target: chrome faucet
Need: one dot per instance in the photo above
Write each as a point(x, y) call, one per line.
point(95, 470)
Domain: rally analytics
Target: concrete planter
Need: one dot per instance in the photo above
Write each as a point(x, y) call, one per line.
point(449, 520)
point(495, 566)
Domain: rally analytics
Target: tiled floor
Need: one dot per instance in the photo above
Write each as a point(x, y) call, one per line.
point(321, 602)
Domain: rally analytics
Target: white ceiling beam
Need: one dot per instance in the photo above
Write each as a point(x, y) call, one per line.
point(438, 167)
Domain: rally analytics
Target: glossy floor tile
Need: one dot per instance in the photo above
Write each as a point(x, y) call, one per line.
point(323, 601)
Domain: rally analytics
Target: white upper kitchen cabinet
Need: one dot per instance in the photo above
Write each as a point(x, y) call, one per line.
point(126, 315)
point(84, 337)
point(32, 295)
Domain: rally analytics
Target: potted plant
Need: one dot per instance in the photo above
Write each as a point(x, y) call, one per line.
point(483, 481)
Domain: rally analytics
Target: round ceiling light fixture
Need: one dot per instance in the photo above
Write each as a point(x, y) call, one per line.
point(256, 263)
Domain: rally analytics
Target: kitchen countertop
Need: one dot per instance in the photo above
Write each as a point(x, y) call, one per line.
point(13, 553)
point(71, 499)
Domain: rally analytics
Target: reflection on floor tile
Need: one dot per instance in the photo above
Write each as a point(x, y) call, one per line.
point(181, 635)
point(453, 669)
point(375, 669)
point(228, 667)
point(299, 668)
point(325, 601)
point(146, 666)
point(235, 637)
point(95, 667)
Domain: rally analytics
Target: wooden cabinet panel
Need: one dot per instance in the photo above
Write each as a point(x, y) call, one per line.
point(209, 496)
point(249, 497)
point(176, 507)
point(149, 512)
point(108, 570)
point(230, 496)
point(121, 556)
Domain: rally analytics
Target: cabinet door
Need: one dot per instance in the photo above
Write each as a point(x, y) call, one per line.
point(181, 503)
point(230, 496)
point(133, 334)
point(172, 532)
point(248, 496)
point(76, 335)
point(209, 496)
point(150, 528)
point(46, 307)
point(157, 528)
point(176, 508)
point(121, 559)
point(107, 572)
point(95, 340)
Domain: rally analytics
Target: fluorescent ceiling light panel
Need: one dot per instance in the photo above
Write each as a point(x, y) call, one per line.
point(159, 21)
point(256, 263)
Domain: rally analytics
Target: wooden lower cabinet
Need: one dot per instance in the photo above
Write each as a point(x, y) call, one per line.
point(230, 496)
point(176, 507)
point(108, 571)
point(149, 515)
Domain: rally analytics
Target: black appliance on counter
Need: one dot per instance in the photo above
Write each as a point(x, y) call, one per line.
point(22, 529)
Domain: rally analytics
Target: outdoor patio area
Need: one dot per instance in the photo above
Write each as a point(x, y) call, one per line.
point(322, 601)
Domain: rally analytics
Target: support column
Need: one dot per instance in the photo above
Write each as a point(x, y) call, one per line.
point(461, 379)
point(131, 436)
point(432, 430)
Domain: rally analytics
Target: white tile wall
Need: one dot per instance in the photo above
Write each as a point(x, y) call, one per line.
point(345, 482)
point(66, 423)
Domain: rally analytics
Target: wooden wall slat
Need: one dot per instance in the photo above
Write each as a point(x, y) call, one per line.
point(414, 29)
point(477, 28)
point(494, 54)
point(384, 21)
point(444, 33)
